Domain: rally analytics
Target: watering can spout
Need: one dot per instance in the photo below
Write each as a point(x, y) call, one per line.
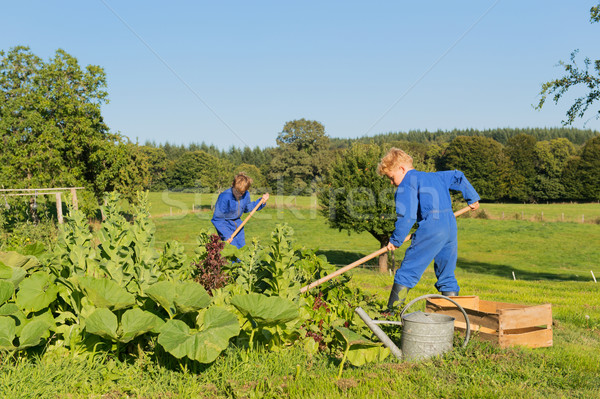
point(387, 342)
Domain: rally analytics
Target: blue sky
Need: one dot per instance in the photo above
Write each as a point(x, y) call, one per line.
point(232, 73)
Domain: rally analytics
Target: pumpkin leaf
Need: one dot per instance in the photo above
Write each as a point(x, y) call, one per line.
point(6, 290)
point(7, 332)
point(33, 332)
point(205, 345)
point(105, 293)
point(135, 322)
point(36, 292)
point(264, 310)
point(177, 297)
point(102, 322)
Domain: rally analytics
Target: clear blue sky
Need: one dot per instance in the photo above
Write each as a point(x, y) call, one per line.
point(232, 73)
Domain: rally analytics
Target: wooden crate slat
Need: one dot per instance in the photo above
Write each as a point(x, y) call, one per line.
point(531, 316)
point(476, 318)
point(535, 339)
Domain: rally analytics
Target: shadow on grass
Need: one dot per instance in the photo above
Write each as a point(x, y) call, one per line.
point(341, 257)
point(506, 271)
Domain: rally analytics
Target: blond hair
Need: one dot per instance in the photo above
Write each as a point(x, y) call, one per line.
point(394, 158)
point(241, 182)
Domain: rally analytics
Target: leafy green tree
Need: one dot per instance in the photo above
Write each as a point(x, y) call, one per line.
point(157, 167)
point(575, 76)
point(481, 159)
point(589, 170)
point(551, 158)
point(356, 199)
point(301, 156)
point(52, 130)
point(520, 150)
point(199, 170)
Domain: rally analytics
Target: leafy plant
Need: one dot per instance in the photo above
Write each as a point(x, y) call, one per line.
point(209, 265)
point(359, 350)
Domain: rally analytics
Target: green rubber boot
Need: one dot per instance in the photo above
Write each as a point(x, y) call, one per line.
point(397, 297)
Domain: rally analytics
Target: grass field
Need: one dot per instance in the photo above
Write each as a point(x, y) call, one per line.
point(551, 262)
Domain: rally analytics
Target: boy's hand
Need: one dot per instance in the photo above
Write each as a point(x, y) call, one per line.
point(391, 247)
point(474, 205)
point(265, 197)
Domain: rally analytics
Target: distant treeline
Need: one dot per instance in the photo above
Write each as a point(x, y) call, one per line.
point(526, 165)
point(501, 135)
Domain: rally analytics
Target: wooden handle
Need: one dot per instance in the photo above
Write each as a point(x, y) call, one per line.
point(343, 270)
point(245, 220)
point(363, 260)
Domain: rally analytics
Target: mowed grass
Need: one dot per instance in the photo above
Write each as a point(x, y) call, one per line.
point(551, 262)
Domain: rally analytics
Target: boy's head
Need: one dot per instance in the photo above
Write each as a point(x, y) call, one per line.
point(394, 165)
point(241, 183)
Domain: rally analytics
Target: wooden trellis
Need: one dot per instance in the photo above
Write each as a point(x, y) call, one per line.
point(57, 192)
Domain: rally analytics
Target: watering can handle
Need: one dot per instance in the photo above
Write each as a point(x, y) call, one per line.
point(468, 333)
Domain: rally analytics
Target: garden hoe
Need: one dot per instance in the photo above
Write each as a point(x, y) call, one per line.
point(361, 260)
point(245, 221)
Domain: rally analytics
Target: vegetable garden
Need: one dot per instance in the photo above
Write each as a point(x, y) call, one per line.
point(110, 291)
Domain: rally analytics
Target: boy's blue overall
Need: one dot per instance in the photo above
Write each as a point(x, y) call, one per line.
point(227, 214)
point(424, 197)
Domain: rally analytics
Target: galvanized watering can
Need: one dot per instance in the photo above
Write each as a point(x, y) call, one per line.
point(424, 335)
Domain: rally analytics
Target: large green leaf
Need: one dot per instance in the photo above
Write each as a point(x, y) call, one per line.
point(205, 345)
point(36, 292)
point(360, 349)
point(33, 332)
point(6, 290)
point(8, 309)
point(264, 310)
point(13, 274)
point(102, 322)
point(7, 332)
point(15, 259)
point(177, 297)
point(105, 293)
point(136, 322)
point(359, 355)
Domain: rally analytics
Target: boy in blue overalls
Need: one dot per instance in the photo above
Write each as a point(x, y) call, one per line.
point(424, 198)
point(230, 206)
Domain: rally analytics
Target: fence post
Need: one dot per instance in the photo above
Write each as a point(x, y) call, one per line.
point(59, 208)
point(74, 197)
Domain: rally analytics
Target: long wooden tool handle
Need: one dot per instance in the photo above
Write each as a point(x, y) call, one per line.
point(343, 269)
point(363, 260)
point(245, 220)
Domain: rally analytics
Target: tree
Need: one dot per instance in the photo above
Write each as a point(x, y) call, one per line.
point(575, 76)
point(301, 156)
point(589, 170)
point(157, 167)
point(354, 198)
point(51, 127)
point(551, 158)
point(520, 150)
point(198, 170)
point(481, 159)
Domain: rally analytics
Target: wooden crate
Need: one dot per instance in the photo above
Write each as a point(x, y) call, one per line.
point(506, 324)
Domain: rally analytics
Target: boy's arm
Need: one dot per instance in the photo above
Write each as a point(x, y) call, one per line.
point(456, 180)
point(406, 213)
point(250, 205)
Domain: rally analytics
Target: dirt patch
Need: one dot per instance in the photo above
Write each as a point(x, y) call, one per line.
point(346, 383)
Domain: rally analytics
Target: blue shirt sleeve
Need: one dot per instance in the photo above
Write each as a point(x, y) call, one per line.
point(249, 206)
point(456, 180)
point(406, 212)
